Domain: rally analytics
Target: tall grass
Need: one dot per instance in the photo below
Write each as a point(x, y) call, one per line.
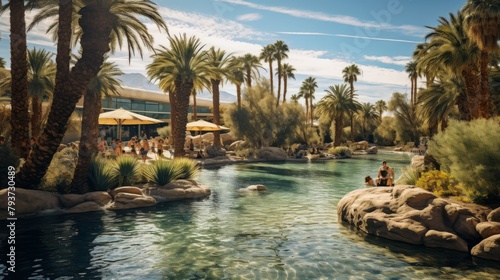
point(162, 172)
point(128, 170)
point(102, 175)
point(188, 168)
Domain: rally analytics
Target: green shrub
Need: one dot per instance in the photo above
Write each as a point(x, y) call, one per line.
point(470, 152)
point(164, 132)
point(102, 175)
point(409, 176)
point(162, 172)
point(60, 171)
point(385, 133)
point(341, 151)
point(188, 168)
point(128, 170)
point(440, 183)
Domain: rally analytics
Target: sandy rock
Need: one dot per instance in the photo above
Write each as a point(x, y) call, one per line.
point(125, 200)
point(28, 201)
point(272, 154)
point(465, 226)
point(489, 248)
point(256, 188)
point(126, 189)
point(87, 206)
point(180, 189)
point(101, 198)
point(70, 200)
point(494, 216)
point(372, 150)
point(418, 162)
point(441, 239)
point(487, 229)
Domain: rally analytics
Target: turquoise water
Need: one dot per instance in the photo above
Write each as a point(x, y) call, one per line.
point(290, 231)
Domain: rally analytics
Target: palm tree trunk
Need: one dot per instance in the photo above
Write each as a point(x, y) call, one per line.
point(279, 83)
point(249, 78)
point(312, 111)
point(238, 94)
point(307, 110)
point(472, 89)
point(338, 131)
point(195, 107)
point(36, 116)
point(351, 119)
point(285, 82)
point(96, 26)
point(173, 111)
point(271, 75)
point(19, 85)
point(484, 100)
point(88, 140)
point(182, 93)
point(216, 110)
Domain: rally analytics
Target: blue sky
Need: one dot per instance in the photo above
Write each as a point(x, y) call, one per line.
point(323, 36)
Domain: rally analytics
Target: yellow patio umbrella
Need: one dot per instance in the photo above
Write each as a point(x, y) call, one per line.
point(124, 117)
point(202, 125)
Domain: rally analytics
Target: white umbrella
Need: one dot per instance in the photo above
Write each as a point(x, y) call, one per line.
point(124, 117)
point(202, 125)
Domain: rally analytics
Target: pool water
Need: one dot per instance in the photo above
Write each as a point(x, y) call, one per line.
point(290, 231)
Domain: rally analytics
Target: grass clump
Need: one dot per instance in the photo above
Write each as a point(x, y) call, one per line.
point(162, 172)
point(188, 168)
point(102, 175)
point(128, 170)
point(341, 151)
point(409, 176)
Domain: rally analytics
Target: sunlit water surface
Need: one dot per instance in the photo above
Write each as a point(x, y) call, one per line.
point(290, 231)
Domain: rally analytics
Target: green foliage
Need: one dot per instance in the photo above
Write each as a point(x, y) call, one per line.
point(162, 172)
point(440, 183)
point(407, 121)
point(260, 122)
point(341, 150)
point(188, 168)
point(60, 171)
point(385, 134)
point(409, 176)
point(164, 132)
point(128, 170)
point(8, 158)
point(102, 175)
point(470, 152)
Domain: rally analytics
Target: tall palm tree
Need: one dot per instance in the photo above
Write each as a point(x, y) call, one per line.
point(337, 104)
point(281, 53)
point(267, 54)
point(220, 62)
point(411, 69)
point(380, 106)
point(482, 18)
point(295, 98)
point(367, 114)
point(237, 76)
point(287, 74)
point(179, 69)
point(350, 74)
point(251, 66)
point(451, 50)
point(105, 83)
point(100, 23)
point(307, 90)
point(41, 76)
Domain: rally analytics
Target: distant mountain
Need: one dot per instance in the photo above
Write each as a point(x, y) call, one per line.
point(137, 80)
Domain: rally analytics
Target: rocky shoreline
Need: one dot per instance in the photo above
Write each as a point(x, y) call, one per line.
point(413, 215)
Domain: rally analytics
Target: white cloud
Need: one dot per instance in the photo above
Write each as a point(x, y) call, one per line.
point(249, 17)
point(397, 60)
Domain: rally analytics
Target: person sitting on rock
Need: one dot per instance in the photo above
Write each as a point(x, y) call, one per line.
point(385, 175)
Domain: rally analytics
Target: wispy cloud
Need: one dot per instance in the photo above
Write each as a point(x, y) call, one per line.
point(341, 19)
point(349, 36)
point(249, 17)
point(397, 60)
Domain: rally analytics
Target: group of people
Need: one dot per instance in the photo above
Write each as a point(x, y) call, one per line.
point(138, 146)
point(385, 177)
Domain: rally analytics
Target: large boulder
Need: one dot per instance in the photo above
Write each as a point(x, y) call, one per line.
point(412, 215)
point(124, 200)
point(215, 151)
point(178, 190)
point(488, 248)
point(27, 202)
point(272, 154)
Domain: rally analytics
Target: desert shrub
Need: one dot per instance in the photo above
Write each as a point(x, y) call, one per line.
point(60, 171)
point(341, 150)
point(385, 133)
point(102, 174)
point(409, 176)
point(128, 170)
point(470, 152)
point(164, 132)
point(161, 172)
point(440, 183)
point(188, 168)
point(8, 158)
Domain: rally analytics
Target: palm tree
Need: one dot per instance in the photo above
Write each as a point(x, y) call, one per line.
point(41, 76)
point(105, 83)
point(350, 74)
point(251, 66)
point(367, 114)
point(407, 119)
point(237, 76)
point(336, 104)
point(287, 74)
point(220, 63)
point(451, 50)
point(281, 53)
point(100, 23)
point(411, 69)
point(267, 54)
point(295, 98)
point(307, 90)
point(482, 18)
point(2, 62)
point(380, 106)
point(179, 69)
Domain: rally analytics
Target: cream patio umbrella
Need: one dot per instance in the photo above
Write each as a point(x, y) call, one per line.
point(124, 117)
point(202, 125)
